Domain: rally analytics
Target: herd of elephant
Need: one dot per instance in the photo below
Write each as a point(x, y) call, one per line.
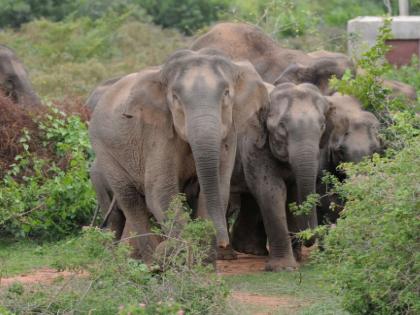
point(238, 124)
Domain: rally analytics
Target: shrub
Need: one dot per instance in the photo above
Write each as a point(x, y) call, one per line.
point(372, 254)
point(67, 59)
point(48, 194)
point(185, 15)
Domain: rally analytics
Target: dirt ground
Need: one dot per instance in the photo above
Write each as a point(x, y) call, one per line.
point(40, 276)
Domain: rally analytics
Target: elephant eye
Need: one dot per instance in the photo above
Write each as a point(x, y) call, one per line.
point(226, 92)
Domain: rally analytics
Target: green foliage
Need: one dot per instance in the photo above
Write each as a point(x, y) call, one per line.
point(368, 87)
point(409, 74)
point(185, 15)
point(49, 197)
point(305, 24)
point(398, 115)
point(306, 207)
point(67, 59)
point(108, 281)
point(373, 251)
point(155, 309)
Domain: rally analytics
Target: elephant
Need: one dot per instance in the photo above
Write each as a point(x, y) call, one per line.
point(155, 130)
point(97, 93)
point(14, 79)
point(274, 63)
point(353, 137)
point(401, 89)
point(277, 152)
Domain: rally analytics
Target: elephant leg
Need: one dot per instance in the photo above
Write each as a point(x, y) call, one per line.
point(116, 219)
point(248, 234)
point(269, 190)
point(116, 222)
point(137, 214)
point(272, 203)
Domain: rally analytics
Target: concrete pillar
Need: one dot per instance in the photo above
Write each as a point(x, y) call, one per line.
point(362, 33)
point(403, 7)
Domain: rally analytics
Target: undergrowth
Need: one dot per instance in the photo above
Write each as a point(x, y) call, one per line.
point(107, 281)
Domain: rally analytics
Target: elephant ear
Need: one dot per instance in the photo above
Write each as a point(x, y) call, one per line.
point(147, 102)
point(317, 72)
point(337, 124)
point(251, 95)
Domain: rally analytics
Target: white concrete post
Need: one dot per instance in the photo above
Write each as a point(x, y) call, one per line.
point(403, 7)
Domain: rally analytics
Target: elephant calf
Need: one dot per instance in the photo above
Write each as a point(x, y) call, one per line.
point(156, 130)
point(14, 80)
point(278, 156)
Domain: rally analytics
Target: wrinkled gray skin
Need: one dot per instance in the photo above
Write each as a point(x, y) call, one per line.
point(14, 80)
point(275, 64)
point(114, 218)
point(104, 195)
point(354, 136)
point(155, 130)
point(280, 147)
point(97, 93)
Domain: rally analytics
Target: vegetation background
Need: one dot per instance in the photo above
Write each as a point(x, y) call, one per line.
point(45, 193)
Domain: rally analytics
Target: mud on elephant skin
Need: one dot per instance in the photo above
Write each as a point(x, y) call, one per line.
point(280, 146)
point(154, 130)
point(274, 63)
point(14, 79)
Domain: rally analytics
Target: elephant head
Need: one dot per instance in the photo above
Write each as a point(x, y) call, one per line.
point(297, 127)
point(355, 131)
point(205, 98)
point(14, 80)
point(317, 71)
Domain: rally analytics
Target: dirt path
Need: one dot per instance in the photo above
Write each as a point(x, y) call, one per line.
point(263, 304)
point(40, 276)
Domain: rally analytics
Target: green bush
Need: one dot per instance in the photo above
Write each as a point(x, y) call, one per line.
point(14, 13)
point(185, 15)
point(372, 254)
point(49, 196)
point(67, 59)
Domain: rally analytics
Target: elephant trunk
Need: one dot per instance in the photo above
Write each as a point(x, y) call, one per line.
point(204, 135)
point(305, 163)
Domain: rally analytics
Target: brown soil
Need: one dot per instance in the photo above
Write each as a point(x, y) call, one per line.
point(246, 264)
point(41, 276)
point(243, 265)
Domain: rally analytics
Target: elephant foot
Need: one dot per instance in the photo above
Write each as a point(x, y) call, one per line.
point(281, 264)
point(226, 254)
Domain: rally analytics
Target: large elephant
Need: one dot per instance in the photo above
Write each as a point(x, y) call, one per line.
point(97, 93)
point(14, 80)
point(155, 130)
point(275, 64)
point(280, 147)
